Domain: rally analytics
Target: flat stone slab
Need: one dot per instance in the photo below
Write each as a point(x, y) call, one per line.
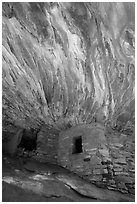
point(58, 182)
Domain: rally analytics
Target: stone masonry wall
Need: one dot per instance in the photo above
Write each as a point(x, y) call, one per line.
point(92, 137)
point(47, 140)
point(107, 159)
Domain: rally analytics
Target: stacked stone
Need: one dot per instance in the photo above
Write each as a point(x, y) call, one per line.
point(122, 154)
point(102, 171)
point(113, 165)
point(47, 140)
point(21, 152)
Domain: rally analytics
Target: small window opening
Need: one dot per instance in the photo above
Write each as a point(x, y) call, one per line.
point(77, 145)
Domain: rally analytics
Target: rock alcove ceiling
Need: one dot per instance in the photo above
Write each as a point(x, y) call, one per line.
point(64, 66)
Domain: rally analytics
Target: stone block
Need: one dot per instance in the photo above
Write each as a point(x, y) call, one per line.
point(94, 161)
point(111, 188)
point(104, 152)
point(120, 161)
point(112, 183)
point(124, 179)
point(97, 171)
point(118, 145)
point(122, 173)
point(132, 170)
point(121, 186)
point(105, 171)
point(118, 169)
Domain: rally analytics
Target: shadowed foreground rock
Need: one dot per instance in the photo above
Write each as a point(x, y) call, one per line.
point(51, 181)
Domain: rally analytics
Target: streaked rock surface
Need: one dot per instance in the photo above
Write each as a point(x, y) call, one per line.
point(68, 63)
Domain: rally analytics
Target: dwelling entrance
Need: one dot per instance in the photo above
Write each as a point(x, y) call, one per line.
point(77, 145)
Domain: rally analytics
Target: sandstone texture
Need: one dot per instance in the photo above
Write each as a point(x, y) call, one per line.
point(67, 63)
point(68, 93)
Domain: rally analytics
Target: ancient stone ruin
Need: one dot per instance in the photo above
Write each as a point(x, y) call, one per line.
point(68, 101)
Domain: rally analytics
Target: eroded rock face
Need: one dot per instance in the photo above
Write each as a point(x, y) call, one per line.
point(68, 63)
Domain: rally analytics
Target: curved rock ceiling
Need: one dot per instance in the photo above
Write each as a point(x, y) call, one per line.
point(68, 63)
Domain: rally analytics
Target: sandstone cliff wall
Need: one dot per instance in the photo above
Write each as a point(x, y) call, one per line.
point(66, 64)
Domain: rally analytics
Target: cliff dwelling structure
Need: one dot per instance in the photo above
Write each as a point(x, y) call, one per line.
point(68, 101)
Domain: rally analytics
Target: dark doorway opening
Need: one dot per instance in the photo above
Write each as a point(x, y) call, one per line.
point(29, 140)
point(77, 145)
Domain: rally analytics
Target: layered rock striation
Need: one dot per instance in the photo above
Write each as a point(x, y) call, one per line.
point(71, 65)
point(67, 63)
